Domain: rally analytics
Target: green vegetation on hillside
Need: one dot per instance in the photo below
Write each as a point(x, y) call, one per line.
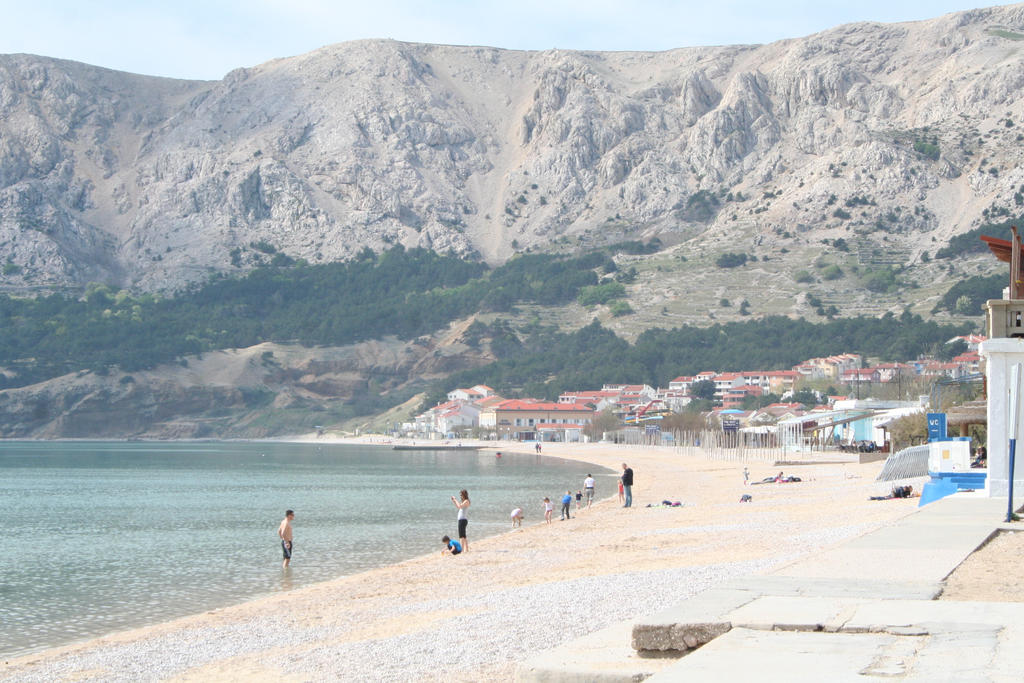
point(968, 296)
point(547, 362)
point(731, 259)
point(401, 292)
point(970, 241)
point(601, 294)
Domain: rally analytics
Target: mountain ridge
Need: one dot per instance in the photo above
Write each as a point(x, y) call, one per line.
point(153, 183)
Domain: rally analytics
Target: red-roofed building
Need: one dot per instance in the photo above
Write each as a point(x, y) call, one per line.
point(599, 399)
point(861, 375)
point(972, 340)
point(733, 398)
point(726, 381)
point(682, 383)
point(891, 372)
point(969, 362)
point(675, 399)
point(519, 418)
point(781, 381)
point(829, 367)
point(446, 418)
point(640, 392)
point(472, 394)
point(775, 412)
point(934, 368)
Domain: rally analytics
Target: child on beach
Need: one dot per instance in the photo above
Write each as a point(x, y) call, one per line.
point(517, 517)
point(451, 547)
point(566, 502)
point(746, 476)
point(579, 499)
point(622, 494)
point(548, 508)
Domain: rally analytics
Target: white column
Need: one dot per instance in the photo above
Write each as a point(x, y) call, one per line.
point(1000, 355)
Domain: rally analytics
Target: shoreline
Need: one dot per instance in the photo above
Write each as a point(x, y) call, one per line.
point(510, 577)
point(305, 440)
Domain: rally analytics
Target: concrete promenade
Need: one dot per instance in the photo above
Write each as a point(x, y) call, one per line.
point(864, 610)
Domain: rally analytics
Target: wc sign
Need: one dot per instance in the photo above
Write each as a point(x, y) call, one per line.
point(937, 427)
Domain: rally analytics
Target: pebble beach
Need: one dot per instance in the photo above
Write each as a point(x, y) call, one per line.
point(474, 616)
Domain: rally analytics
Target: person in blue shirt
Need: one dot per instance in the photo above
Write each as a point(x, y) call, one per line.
point(451, 547)
point(566, 502)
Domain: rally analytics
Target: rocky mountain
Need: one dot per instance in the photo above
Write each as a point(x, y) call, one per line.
point(891, 136)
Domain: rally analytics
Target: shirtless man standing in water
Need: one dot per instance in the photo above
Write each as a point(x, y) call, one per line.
point(285, 532)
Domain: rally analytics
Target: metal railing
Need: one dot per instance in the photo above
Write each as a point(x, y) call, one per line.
point(904, 464)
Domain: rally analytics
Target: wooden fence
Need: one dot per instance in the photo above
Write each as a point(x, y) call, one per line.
point(732, 446)
point(715, 445)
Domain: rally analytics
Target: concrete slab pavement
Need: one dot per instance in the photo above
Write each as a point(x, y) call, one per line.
point(781, 657)
point(864, 610)
point(924, 546)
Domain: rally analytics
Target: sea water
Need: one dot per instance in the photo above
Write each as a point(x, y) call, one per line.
point(100, 537)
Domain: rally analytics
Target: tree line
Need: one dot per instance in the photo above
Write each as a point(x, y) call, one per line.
point(406, 293)
point(543, 362)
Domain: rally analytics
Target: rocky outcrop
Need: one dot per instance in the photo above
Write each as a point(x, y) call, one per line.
point(153, 183)
point(260, 391)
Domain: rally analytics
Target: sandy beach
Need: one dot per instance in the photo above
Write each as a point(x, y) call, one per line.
point(472, 617)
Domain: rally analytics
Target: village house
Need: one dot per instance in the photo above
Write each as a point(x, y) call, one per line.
point(970, 362)
point(597, 399)
point(781, 381)
point(733, 398)
point(726, 381)
point(475, 393)
point(519, 418)
point(637, 413)
point(936, 368)
point(638, 392)
point(682, 383)
point(861, 376)
point(972, 340)
point(771, 414)
point(829, 367)
point(446, 418)
point(892, 372)
point(675, 399)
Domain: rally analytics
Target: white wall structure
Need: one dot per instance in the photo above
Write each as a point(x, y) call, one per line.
point(1000, 355)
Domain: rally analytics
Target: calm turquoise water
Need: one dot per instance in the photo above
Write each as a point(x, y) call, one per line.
point(101, 537)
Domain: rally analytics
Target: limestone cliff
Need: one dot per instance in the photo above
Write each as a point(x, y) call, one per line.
point(899, 132)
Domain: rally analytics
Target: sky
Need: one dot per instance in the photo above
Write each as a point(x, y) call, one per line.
point(206, 39)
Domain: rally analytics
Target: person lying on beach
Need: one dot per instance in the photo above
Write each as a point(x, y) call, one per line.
point(777, 479)
point(451, 547)
point(517, 517)
point(899, 492)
